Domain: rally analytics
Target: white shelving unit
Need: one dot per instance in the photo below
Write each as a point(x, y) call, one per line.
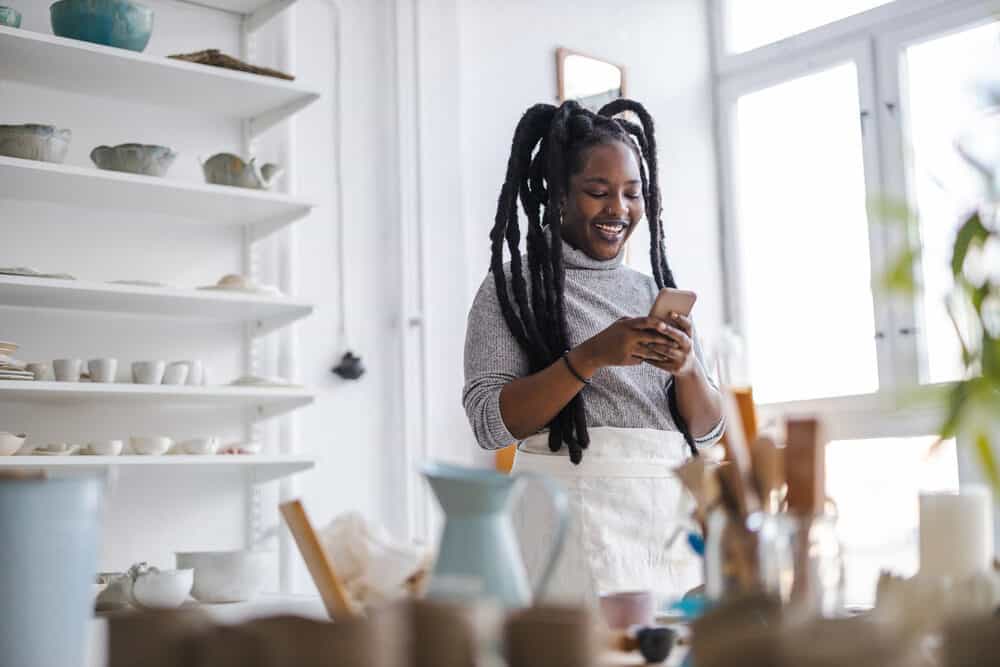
point(266, 313)
point(261, 468)
point(195, 203)
point(266, 401)
point(258, 103)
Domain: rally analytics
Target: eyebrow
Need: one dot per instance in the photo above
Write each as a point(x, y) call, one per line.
point(604, 181)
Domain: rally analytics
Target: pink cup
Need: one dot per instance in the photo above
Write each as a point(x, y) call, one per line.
point(627, 608)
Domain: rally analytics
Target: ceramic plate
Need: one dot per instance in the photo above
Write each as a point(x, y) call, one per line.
point(69, 451)
point(28, 272)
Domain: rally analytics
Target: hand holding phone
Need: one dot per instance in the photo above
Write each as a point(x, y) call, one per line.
point(671, 300)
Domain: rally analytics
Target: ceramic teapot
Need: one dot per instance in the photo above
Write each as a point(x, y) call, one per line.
point(229, 169)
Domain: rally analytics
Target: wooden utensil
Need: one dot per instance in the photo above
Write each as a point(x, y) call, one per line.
point(767, 472)
point(805, 466)
point(335, 599)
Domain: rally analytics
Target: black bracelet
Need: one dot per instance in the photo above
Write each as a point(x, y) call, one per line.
point(572, 370)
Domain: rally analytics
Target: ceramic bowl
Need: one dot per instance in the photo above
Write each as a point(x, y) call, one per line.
point(225, 576)
point(134, 159)
point(10, 17)
point(176, 373)
point(105, 447)
point(199, 446)
point(10, 442)
point(118, 23)
point(34, 142)
point(229, 169)
point(162, 589)
point(150, 445)
point(627, 608)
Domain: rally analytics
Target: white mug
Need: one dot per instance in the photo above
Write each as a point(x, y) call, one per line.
point(196, 372)
point(102, 370)
point(148, 372)
point(41, 371)
point(176, 373)
point(67, 370)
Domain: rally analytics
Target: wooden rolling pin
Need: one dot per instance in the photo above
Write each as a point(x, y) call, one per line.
point(335, 599)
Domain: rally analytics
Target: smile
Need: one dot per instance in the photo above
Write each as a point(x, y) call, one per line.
point(611, 231)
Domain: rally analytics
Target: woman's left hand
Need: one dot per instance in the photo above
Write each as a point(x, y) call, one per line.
point(676, 357)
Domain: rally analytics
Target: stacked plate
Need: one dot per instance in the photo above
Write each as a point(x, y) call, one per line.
point(10, 369)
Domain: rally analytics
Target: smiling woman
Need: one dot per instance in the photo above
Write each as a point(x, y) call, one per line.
point(560, 355)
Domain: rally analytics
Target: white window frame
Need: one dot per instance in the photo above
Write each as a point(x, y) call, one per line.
point(874, 41)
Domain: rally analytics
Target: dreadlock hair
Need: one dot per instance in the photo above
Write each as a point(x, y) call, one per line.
point(546, 150)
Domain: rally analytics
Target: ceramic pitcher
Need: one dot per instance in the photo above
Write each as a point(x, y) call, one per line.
point(479, 542)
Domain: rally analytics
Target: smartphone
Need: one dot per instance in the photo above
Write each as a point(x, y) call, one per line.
point(671, 300)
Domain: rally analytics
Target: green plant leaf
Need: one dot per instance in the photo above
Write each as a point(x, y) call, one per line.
point(971, 231)
point(991, 358)
point(957, 400)
point(984, 452)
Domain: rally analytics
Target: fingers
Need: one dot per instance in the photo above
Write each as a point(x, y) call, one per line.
point(682, 322)
point(679, 338)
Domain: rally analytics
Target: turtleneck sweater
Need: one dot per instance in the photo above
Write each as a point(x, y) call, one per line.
point(596, 294)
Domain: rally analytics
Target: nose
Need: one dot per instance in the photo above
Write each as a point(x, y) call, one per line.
point(617, 207)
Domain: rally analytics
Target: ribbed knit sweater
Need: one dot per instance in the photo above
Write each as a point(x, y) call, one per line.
point(596, 294)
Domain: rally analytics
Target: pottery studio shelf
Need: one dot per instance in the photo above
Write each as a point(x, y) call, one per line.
point(30, 180)
point(40, 59)
point(261, 468)
point(268, 402)
point(161, 302)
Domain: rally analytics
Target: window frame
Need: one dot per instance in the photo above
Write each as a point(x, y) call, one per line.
point(874, 40)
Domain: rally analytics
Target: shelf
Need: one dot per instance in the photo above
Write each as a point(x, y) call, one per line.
point(269, 312)
point(40, 59)
point(262, 468)
point(268, 402)
point(110, 190)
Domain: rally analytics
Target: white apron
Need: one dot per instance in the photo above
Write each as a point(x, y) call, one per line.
point(626, 505)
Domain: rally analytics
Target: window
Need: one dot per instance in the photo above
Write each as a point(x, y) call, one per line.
point(800, 209)
point(941, 107)
point(753, 23)
point(874, 483)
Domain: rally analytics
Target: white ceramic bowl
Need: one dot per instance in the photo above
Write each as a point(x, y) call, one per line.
point(150, 445)
point(34, 142)
point(200, 446)
point(10, 442)
point(105, 447)
point(164, 589)
point(225, 576)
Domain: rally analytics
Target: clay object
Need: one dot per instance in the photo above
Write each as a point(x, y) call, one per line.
point(134, 159)
point(118, 23)
point(10, 17)
point(10, 442)
point(229, 169)
point(350, 367)
point(34, 142)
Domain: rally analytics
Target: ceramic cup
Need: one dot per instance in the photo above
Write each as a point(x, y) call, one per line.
point(67, 370)
point(176, 373)
point(102, 370)
point(41, 371)
point(105, 447)
point(196, 372)
point(148, 372)
point(621, 610)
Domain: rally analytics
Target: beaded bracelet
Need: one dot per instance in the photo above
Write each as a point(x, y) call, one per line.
point(565, 358)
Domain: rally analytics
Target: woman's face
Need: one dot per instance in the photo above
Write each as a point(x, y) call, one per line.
point(604, 203)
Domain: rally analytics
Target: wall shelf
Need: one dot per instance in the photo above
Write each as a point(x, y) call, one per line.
point(71, 65)
point(160, 302)
point(30, 180)
point(267, 402)
point(261, 468)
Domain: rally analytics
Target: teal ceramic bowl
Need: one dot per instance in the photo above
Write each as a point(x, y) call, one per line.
point(10, 17)
point(118, 23)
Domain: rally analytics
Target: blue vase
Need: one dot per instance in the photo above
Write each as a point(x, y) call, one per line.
point(478, 543)
point(49, 536)
point(10, 17)
point(118, 23)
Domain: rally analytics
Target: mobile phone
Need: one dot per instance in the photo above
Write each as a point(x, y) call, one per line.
point(671, 300)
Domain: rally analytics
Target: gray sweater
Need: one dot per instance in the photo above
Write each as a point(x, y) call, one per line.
point(596, 294)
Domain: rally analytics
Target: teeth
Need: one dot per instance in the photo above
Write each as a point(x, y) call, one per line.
point(611, 228)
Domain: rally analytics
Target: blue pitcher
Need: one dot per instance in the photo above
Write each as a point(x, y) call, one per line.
point(479, 541)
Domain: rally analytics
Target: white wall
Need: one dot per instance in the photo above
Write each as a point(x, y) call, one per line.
point(507, 63)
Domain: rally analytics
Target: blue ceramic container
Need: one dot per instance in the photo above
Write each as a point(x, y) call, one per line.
point(10, 17)
point(117, 23)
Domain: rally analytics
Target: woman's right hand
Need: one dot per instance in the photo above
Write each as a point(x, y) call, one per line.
point(627, 342)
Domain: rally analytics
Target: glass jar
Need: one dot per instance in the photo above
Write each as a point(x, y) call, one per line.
point(731, 555)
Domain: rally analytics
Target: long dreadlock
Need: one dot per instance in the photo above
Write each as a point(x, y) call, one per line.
point(545, 152)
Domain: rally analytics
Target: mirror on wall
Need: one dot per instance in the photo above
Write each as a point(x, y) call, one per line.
point(590, 81)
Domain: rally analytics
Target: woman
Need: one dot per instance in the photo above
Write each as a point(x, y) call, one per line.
point(561, 358)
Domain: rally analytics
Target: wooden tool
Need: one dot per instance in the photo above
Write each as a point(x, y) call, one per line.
point(738, 453)
point(805, 466)
point(335, 599)
point(768, 472)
